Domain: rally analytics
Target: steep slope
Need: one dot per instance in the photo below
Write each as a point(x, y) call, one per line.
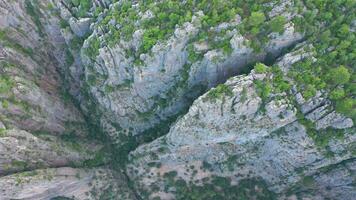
point(44, 147)
point(146, 62)
point(235, 144)
point(65, 183)
point(83, 83)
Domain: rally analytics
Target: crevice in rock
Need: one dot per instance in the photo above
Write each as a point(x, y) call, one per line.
point(163, 127)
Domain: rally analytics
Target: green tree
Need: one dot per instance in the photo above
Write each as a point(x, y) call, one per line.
point(277, 24)
point(345, 106)
point(339, 75)
point(260, 68)
point(337, 94)
point(256, 19)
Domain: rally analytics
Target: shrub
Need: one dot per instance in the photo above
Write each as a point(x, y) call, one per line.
point(309, 91)
point(256, 19)
point(263, 89)
point(339, 75)
point(220, 91)
point(277, 24)
point(35, 13)
point(63, 23)
point(346, 106)
point(5, 84)
point(260, 68)
point(337, 94)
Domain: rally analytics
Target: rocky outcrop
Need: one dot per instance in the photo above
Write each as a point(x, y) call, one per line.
point(34, 98)
point(22, 151)
point(235, 135)
point(68, 67)
point(45, 152)
point(137, 97)
point(65, 183)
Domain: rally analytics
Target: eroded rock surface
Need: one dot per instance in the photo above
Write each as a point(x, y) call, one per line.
point(140, 97)
point(42, 132)
point(238, 136)
point(96, 183)
point(68, 72)
point(21, 150)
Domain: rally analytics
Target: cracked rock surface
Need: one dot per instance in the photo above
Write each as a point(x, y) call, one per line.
point(86, 114)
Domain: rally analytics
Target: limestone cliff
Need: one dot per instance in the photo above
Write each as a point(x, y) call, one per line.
point(138, 89)
point(157, 99)
point(231, 137)
point(45, 152)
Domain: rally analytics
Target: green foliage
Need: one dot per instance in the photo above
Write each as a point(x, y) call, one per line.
point(308, 181)
point(2, 132)
point(193, 55)
point(260, 68)
point(63, 23)
point(337, 94)
point(277, 24)
point(167, 15)
point(76, 43)
point(69, 58)
point(9, 42)
point(346, 106)
point(20, 165)
point(93, 50)
point(309, 91)
point(220, 188)
point(256, 19)
point(170, 175)
point(5, 84)
point(5, 104)
point(279, 82)
point(99, 159)
point(35, 13)
point(83, 7)
point(339, 75)
point(263, 89)
point(219, 92)
point(327, 26)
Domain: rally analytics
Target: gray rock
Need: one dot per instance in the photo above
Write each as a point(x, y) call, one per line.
point(144, 96)
point(65, 182)
point(334, 120)
point(21, 151)
point(80, 27)
point(2, 126)
point(239, 137)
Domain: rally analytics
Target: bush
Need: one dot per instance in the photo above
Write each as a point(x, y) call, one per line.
point(309, 91)
point(260, 68)
point(337, 94)
point(340, 75)
point(346, 106)
point(63, 23)
point(263, 89)
point(277, 24)
point(256, 19)
point(5, 84)
point(220, 91)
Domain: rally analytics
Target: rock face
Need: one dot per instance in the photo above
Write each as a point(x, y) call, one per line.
point(33, 152)
point(137, 98)
point(61, 183)
point(34, 99)
point(42, 132)
point(238, 136)
point(76, 74)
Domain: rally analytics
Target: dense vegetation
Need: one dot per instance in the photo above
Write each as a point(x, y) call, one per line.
point(327, 25)
point(214, 188)
point(159, 19)
point(331, 68)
